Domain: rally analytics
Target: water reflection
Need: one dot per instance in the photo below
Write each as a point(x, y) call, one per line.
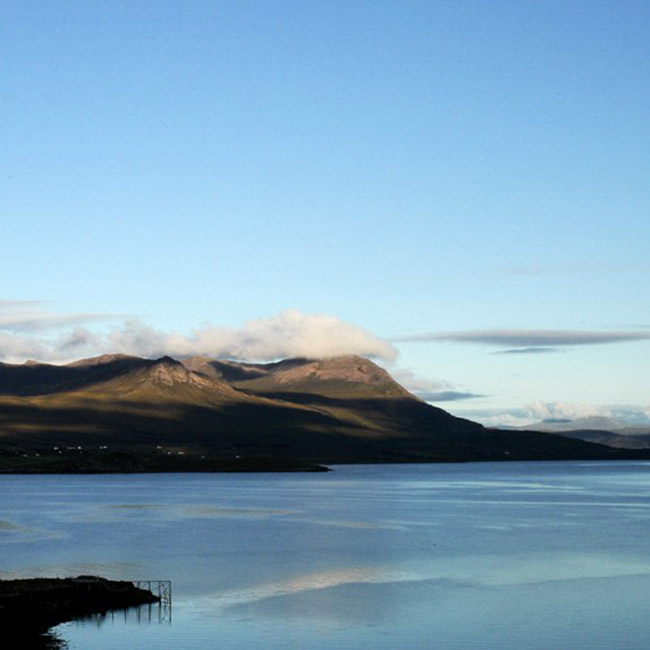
point(353, 604)
point(148, 614)
point(299, 584)
point(151, 614)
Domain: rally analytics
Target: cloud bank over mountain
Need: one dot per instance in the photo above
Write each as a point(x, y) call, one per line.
point(288, 334)
point(33, 330)
point(34, 333)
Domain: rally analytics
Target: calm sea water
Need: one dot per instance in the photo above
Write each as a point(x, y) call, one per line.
point(488, 556)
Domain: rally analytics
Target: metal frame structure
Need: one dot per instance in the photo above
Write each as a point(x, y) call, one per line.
point(160, 588)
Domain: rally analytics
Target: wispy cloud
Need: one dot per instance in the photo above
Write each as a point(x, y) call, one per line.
point(13, 304)
point(35, 321)
point(527, 341)
point(430, 390)
point(30, 316)
point(26, 333)
point(535, 350)
point(447, 396)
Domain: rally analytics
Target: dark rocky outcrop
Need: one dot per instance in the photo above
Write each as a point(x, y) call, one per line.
point(30, 607)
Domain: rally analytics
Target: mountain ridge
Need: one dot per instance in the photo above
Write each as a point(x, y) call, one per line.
point(202, 413)
point(599, 429)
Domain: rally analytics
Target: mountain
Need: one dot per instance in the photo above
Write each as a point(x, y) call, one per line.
point(594, 423)
point(609, 438)
point(124, 413)
point(598, 429)
point(339, 377)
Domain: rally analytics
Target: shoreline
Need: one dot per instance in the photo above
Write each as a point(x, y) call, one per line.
point(147, 462)
point(31, 607)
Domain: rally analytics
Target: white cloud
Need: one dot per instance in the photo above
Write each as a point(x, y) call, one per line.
point(288, 334)
point(77, 342)
point(430, 390)
point(15, 348)
point(565, 411)
point(496, 419)
point(633, 415)
point(417, 384)
point(29, 331)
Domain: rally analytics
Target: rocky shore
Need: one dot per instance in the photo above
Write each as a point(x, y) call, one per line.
point(30, 607)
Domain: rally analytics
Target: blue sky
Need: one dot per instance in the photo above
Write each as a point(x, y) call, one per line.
point(457, 188)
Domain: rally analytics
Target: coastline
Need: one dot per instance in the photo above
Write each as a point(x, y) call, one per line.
point(144, 462)
point(30, 607)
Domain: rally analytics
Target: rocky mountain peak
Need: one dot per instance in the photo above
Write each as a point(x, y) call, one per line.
point(169, 372)
point(102, 360)
point(352, 369)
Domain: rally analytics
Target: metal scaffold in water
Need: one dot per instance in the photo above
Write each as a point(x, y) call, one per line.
point(160, 588)
point(163, 590)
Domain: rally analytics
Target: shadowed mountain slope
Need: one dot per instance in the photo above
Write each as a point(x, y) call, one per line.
point(117, 412)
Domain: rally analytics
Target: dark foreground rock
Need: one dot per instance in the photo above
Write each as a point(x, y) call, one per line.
point(28, 608)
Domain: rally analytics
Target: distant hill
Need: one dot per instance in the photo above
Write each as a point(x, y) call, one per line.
point(123, 413)
point(597, 429)
point(594, 422)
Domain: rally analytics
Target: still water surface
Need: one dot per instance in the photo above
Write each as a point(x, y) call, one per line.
point(489, 556)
